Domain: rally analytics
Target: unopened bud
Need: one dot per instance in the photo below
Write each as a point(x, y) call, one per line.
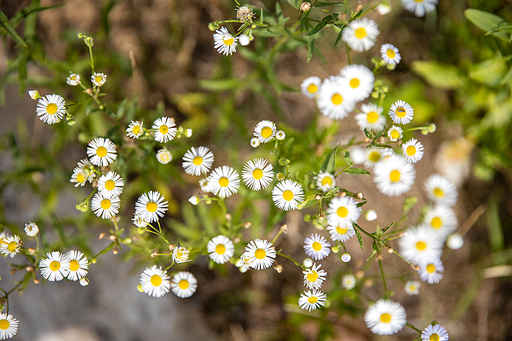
point(360, 195)
point(34, 94)
point(346, 257)
point(228, 216)
point(89, 91)
point(29, 268)
point(171, 247)
point(367, 140)
point(368, 283)
point(112, 238)
point(13, 272)
point(342, 194)
point(139, 288)
point(154, 253)
point(141, 230)
point(284, 228)
point(31, 250)
point(382, 140)
point(415, 267)
point(390, 250)
point(305, 6)
point(278, 268)
point(247, 225)
point(379, 257)
point(308, 262)
point(321, 216)
point(359, 274)
point(318, 196)
point(115, 251)
point(236, 240)
point(102, 235)
point(36, 281)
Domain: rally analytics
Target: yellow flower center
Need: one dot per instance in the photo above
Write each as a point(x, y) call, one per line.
point(372, 117)
point(151, 206)
point(394, 176)
point(51, 109)
point(431, 268)
point(336, 99)
point(12, 246)
point(223, 182)
point(400, 112)
point(98, 79)
point(288, 195)
point(342, 212)
point(101, 151)
point(260, 253)
point(74, 265)
point(197, 160)
point(327, 181)
point(54, 265)
point(80, 178)
point(110, 185)
point(229, 41)
point(438, 192)
point(391, 53)
point(220, 249)
point(316, 246)
point(312, 276)
point(183, 284)
point(313, 299)
point(374, 156)
point(257, 174)
point(411, 150)
point(105, 204)
point(312, 88)
point(266, 132)
point(385, 318)
point(341, 230)
point(157, 280)
point(163, 129)
point(136, 130)
point(436, 222)
point(395, 134)
point(354, 83)
point(4, 324)
point(421, 245)
point(434, 336)
point(360, 33)
point(164, 157)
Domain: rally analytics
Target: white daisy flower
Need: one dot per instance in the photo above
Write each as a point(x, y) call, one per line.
point(419, 245)
point(441, 220)
point(431, 271)
point(79, 177)
point(220, 249)
point(343, 210)
point(348, 282)
point(184, 284)
point(98, 78)
point(434, 333)
point(110, 185)
point(413, 150)
point(263, 253)
point(419, 7)
point(164, 129)
point(31, 229)
point(412, 287)
point(372, 156)
point(105, 207)
point(244, 39)
point(3, 238)
point(101, 151)
point(265, 131)
point(394, 176)
point(203, 183)
point(154, 281)
point(255, 142)
point(280, 135)
point(139, 221)
point(257, 174)
point(225, 43)
point(244, 262)
point(11, 246)
point(8, 326)
point(360, 34)
point(73, 79)
point(224, 181)
point(371, 117)
point(287, 195)
point(325, 181)
point(342, 231)
point(314, 277)
point(454, 241)
point(164, 156)
point(317, 247)
point(135, 129)
point(401, 112)
point(310, 86)
point(180, 254)
point(55, 267)
point(197, 161)
point(333, 100)
point(51, 108)
point(151, 206)
point(441, 190)
point(395, 133)
point(390, 54)
point(87, 167)
point(312, 299)
point(385, 317)
point(78, 265)
point(358, 81)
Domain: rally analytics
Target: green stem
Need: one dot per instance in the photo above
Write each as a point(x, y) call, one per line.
point(364, 231)
point(290, 258)
point(413, 327)
point(167, 268)
point(92, 58)
point(405, 260)
point(277, 235)
point(348, 54)
point(383, 280)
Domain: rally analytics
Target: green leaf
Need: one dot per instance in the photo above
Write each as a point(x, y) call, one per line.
point(311, 47)
point(442, 76)
point(338, 38)
point(357, 171)
point(496, 239)
point(508, 77)
point(88, 107)
point(409, 203)
point(32, 9)
point(310, 200)
point(318, 27)
point(359, 238)
point(294, 3)
point(22, 71)
point(4, 22)
point(122, 108)
point(485, 21)
point(348, 160)
point(330, 163)
point(220, 84)
point(489, 72)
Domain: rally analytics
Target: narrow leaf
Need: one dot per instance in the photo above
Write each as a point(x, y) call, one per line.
point(357, 171)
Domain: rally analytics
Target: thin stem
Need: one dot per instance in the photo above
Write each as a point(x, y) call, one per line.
point(92, 58)
point(413, 327)
point(348, 54)
point(167, 268)
point(405, 260)
point(290, 258)
point(277, 235)
point(364, 231)
point(383, 280)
